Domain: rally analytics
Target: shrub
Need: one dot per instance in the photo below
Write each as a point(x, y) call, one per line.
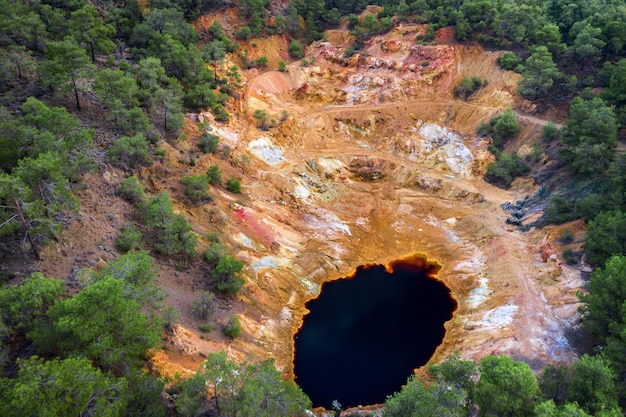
point(468, 85)
point(282, 67)
point(502, 128)
point(233, 186)
point(506, 169)
point(226, 273)
point(196, 187)
point(205, 328)
point(160, 154)
point(221, 115)
point(214, 175)
point(295, 49)
point(208, 143)
point(131, 190)
point(204, 304)
point(233, 328)
point(129, 238)
point(550, 132)
point(509, 61)
point(560, 211)
point(244, 33)
point(130, 151)
point(261, 62)
point(214, 253)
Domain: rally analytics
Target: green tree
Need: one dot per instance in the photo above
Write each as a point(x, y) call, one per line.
point(196, 187)
point(118, 92)
point(587, 44)
point(603, 304)
point(295, 49)
point(159, 93)
point(226, 273)
point(459, 375)
point(131, 190)
point(171, 232)
point(130, 151)
point(589, 136)
point(66, 68)
point(508, 61)
point(549, 409)
point(209, 143)
point(89, 29)
point(129, 238)
point(265, 394)
point(22, 213)
point(53, 129)
point(538, 74)
point(615, 92)
point(414, 400)
point(214, 175)
point(68, 387)
point(23, 306)
point(554, 383)
point(204, 304)
point(593, 385)
point(215, 52)
point(261, 116)
point(102, 323)
point(505, 387)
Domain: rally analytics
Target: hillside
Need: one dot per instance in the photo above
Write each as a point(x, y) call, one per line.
point(375, 161)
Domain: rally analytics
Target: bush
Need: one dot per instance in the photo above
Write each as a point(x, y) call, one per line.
point(295, 49)
point(221, 115)
point(244, 33)
point(509, 61)
point(282, 67)
point(196, 187)
point(131, 190)
point(214, 253)
point(501, 128)
point(550, 132)
point(208, 143)
point(233, 186)
point(214, 175)
point(468, 86)
point(261, 62)
point(129, 238)
point(226, 273)
point(560, 211)
point(206, 328)
point(160, 154)
point(233, 328)
point(506, 169)
point(130, 151)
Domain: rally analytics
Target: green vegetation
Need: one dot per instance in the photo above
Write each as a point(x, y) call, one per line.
point(197, 186)
point(214, 175)
point(208, 143)
point(234, 186)
point(467, 86)
point(233, 328)
point(131, 72)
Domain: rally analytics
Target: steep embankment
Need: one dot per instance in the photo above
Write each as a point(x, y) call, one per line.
point(375, 160)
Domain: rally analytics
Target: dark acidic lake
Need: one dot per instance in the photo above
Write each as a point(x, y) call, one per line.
point(365, 334)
